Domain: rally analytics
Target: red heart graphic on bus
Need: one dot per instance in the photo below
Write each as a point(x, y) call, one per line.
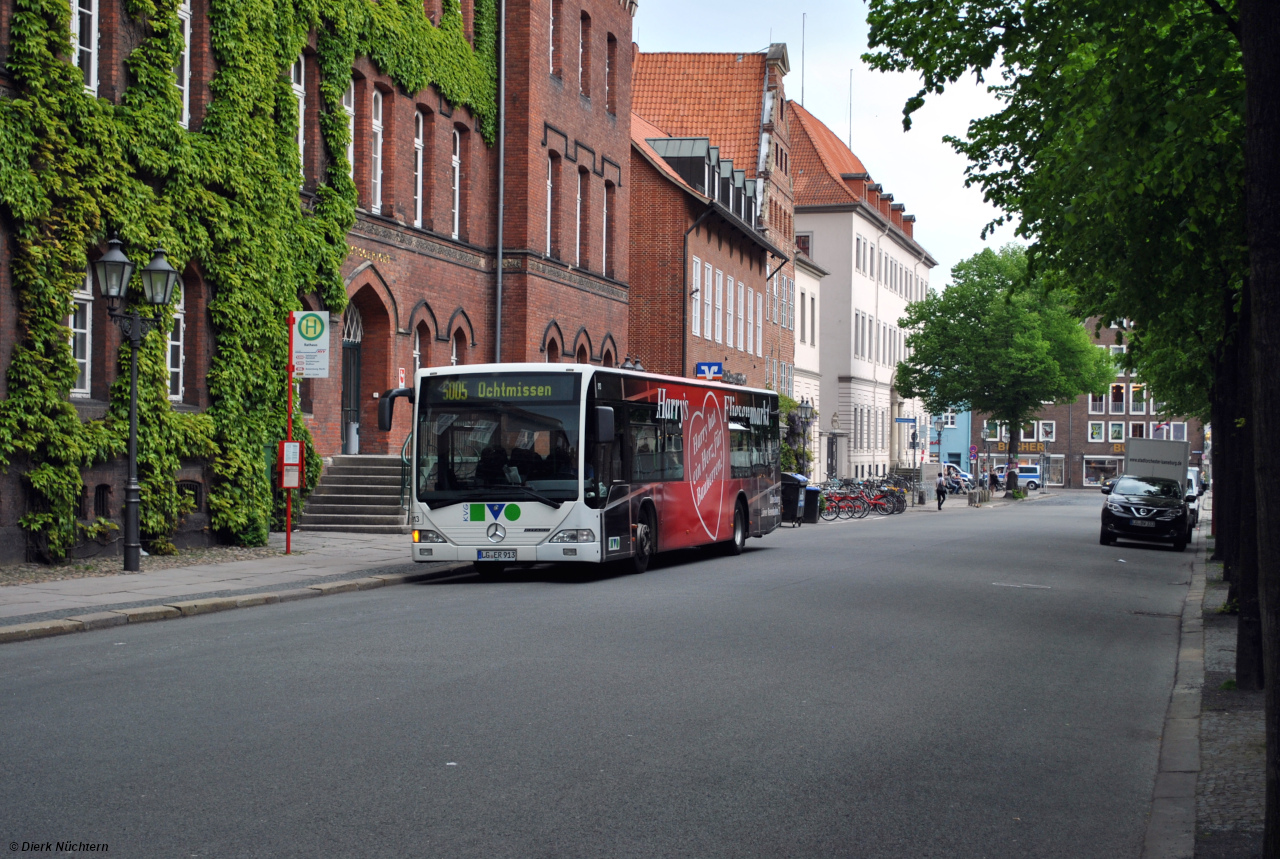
point(707, 455)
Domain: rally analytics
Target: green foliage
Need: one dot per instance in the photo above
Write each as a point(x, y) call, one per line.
point(984, 344)
point(223, 199)
point(1119, 150)
point(796, 458)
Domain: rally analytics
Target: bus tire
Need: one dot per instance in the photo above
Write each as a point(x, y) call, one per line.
point(646, 541)
point(739, 540)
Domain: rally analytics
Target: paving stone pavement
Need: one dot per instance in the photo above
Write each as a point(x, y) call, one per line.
point(1231, 784)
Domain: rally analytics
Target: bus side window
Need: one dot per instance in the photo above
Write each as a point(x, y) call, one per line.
point(740, 451)
point(672, 438)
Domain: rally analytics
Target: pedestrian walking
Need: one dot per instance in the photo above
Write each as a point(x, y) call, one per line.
point(940, 487)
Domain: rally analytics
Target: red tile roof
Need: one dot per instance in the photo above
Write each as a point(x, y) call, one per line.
point(818, 158)
point(718, 96)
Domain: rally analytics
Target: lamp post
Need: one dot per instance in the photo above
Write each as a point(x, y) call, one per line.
point(937, 425)
point(113, 272)
point(805, 413)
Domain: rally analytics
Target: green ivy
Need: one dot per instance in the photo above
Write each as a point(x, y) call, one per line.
point(226, 198)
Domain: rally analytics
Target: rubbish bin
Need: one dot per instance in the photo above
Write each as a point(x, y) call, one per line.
point(351, 446)
point(811, 496)
point(792, 504)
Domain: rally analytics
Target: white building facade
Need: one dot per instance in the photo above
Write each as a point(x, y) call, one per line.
point(851, 228)
point(807, 384)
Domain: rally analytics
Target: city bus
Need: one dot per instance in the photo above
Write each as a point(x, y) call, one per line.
point(537, 463)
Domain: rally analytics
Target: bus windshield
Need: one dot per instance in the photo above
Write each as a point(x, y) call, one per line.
point(498, 436)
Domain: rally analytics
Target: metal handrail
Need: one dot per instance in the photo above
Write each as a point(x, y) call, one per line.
point(406, 471)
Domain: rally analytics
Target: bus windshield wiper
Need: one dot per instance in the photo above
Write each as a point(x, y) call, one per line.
point(537, 496)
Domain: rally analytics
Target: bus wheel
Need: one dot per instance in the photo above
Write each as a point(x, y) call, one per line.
point(646, 536)
point(739, 541)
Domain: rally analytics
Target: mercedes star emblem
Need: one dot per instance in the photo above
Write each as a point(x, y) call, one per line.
point(496, 533)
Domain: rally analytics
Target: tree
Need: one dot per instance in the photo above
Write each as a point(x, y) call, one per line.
point(1140, 148)
point(984, 344)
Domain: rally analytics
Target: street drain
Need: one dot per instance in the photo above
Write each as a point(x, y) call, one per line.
point(1156, 614)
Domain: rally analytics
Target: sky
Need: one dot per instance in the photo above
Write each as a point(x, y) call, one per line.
point(917, 167)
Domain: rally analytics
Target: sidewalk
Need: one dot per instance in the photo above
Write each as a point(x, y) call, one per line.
point(318, 558)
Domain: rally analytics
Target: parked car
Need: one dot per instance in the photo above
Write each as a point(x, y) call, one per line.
point(1152, 509)
point(1195, 488)
point(1029, 476)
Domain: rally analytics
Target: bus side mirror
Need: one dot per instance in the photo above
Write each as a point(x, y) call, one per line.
point(387, 404)
point(604, 423)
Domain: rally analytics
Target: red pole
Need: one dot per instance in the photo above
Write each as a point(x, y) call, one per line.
point(288, 434)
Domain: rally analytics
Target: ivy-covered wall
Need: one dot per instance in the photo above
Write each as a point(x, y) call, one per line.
point(223, 198)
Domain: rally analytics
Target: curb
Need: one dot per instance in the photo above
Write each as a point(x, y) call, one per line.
point(1171, 825)
point(208, 605)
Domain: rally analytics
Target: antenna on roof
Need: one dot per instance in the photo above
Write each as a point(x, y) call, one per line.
point(850, 110)
point(803, 17)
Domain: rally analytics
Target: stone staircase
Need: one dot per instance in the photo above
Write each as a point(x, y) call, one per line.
point(357, 493)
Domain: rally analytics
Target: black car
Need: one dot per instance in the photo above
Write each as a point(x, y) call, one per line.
point(1146, 508)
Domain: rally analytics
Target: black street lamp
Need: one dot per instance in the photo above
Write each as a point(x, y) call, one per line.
point(113, 272)
point(805, 412)
point(937, 424)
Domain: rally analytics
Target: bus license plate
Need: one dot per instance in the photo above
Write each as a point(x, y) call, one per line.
point(495, 554)
point(1142, 524)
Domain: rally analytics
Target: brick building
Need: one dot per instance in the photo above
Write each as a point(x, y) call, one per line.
point(701, 269)
point(1082, 443)
point(850, 226)
point(717, 119)
point(422, 272)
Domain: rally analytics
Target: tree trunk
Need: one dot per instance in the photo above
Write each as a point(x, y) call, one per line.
point(1244, 584)
point(1259, 28)
point(1229, 381)
point(1011, 462)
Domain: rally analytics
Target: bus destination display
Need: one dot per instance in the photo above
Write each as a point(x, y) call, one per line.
point(506, 388)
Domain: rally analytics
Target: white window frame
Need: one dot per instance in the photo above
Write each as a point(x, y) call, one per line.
point(1117, 350)
point(759, 324)
point(1178, 430)
point(1025, 436)
point(550, 197)
point(349, 107)
point(551, 27)
point(1049, 437)
point(949, 419)
point(419, 147)
point(1137, 390)
point(375, 153)
point(455, 175)
point(1141, 425)
point(82, 298)
point(742, 287)
point(751, 321)
point(728, 312)
point(696, 314)
point(1097, 432)
point(803, 316)
point(577, 225)
point(86, 56)
point(813, 320)
point(177, 338)
point(1111, 409)
point(708, 300)
point(1111, 432)
point(417, 350)
point(1102, 399)
point(719, 306)
point(604, 230)
point(183, 72)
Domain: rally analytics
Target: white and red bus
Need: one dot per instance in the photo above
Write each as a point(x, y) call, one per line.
point(537, 463)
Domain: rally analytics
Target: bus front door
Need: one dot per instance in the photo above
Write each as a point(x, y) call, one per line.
point(617, 522)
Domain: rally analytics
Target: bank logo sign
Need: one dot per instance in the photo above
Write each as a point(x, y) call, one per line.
point(490, 512)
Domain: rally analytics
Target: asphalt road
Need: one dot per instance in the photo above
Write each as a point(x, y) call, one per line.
point(975, 683)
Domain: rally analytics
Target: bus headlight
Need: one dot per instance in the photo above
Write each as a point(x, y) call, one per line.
point(578, 535)
point(427, 537)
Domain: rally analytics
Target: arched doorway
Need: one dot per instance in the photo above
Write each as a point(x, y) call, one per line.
point(352, 335)
point(607, 358)
point(583, 358)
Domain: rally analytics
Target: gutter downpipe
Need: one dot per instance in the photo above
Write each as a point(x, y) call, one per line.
point(502, 165)
point(684, 310)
